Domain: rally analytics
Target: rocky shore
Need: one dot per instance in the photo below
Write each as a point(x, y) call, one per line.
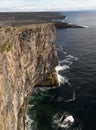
point(62, 25)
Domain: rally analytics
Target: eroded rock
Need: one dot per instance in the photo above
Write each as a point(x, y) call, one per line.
point(27, 55)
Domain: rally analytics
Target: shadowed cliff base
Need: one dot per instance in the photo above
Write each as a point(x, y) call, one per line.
point(50, 80)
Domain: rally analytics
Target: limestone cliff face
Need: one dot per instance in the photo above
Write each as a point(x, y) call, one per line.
point(27, 55)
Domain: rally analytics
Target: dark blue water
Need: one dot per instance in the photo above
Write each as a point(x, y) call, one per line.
point(77, 95)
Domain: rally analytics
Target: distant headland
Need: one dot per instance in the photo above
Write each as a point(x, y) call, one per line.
point(27, 18)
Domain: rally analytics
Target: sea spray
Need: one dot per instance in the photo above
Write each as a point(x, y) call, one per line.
point(62, 120)
point(61, 78)
point(60, 68)
point(29, 123)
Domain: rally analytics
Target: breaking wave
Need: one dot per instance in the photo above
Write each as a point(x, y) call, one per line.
point(30, 124)
point(64, 65)
point(59, 68)
point(61, 79)
point(63, 121)
point(73, 98)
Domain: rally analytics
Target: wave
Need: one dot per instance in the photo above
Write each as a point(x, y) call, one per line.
point(84, 26)
point(62, 99)
point(73, 98)
point(70, 57)
point(61, 49)
point(61, 79)
point(59, 68)
point(65, 123)
point(30, 124)
point(67, 57)
point(64, 65)
point(65, 120)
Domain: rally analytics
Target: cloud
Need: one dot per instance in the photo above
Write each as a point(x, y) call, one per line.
point(46, 5)
point(43, 8)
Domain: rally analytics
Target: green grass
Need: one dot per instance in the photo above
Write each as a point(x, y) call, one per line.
point(6, 47)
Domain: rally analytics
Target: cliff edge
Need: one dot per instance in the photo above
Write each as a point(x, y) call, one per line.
point(27, 55)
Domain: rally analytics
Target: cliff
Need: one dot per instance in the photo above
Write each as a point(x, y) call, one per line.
point(27, 56)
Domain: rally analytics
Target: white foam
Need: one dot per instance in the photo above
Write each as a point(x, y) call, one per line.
point(70, 23)
point(59, 68)
point(73, 98)
point(61, 49)
point(83, 26)
point(65, 120)
point(64, 52)
point(65, 123)
point(30, 106)
point(30, 124)
point(67, 62)
point(69, 118)
point(61, 79)
point(69, 57)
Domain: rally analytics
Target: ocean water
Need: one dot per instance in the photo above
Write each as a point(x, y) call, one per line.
point(76, 94)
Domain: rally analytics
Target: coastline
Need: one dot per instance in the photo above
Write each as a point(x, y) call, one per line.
point(27, 18)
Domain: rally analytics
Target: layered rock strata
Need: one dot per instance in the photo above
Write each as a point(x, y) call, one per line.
point(27, 55)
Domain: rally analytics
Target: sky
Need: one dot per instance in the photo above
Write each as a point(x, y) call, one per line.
point(46, 5)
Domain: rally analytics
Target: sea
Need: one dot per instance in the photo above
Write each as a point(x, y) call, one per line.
point(76, 70)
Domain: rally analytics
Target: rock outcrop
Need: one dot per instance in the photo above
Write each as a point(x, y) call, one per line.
point(27, 55)
point(63, 25)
